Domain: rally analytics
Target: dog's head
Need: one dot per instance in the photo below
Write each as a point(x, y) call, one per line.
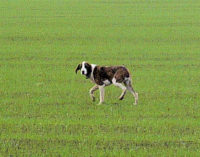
point(85, 69)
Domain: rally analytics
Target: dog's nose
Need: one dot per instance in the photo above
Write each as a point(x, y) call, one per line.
point(83, 72)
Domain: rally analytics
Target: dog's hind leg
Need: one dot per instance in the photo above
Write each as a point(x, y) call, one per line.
point(123, 94)
point(130, 88)
point(92, 90)
point(120, 85)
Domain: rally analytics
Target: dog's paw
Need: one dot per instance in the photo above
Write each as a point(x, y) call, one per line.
point(121, 98)
point(101, 103)
point(93, 99)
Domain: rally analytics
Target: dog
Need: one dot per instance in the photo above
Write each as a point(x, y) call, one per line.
point(104, 76)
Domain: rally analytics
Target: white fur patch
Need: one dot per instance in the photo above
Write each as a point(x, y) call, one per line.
point(83, 69)
point(113, 80)
point(92, 76)
point(127, 79)
point(118, 84)
point(106, 82)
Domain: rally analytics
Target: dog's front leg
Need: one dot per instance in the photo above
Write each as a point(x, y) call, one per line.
point(101, 88)
point(92, 90)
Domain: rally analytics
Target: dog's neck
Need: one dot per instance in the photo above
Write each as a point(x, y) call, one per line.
point(92, 76)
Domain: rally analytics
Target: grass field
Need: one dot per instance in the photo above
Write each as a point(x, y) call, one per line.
point(45, 108)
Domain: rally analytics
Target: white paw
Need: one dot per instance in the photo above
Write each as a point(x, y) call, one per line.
point(100, 103)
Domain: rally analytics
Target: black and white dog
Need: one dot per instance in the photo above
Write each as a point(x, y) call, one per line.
point(106, 75)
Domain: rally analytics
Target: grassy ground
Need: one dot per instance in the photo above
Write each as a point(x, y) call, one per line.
point(45, 109)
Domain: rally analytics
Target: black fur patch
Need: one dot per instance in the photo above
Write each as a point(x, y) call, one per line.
point(89, 70)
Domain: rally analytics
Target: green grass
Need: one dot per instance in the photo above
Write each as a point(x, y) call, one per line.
point(45, 108)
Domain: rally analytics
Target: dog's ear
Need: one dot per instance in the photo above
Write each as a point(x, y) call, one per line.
point(78, 67)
